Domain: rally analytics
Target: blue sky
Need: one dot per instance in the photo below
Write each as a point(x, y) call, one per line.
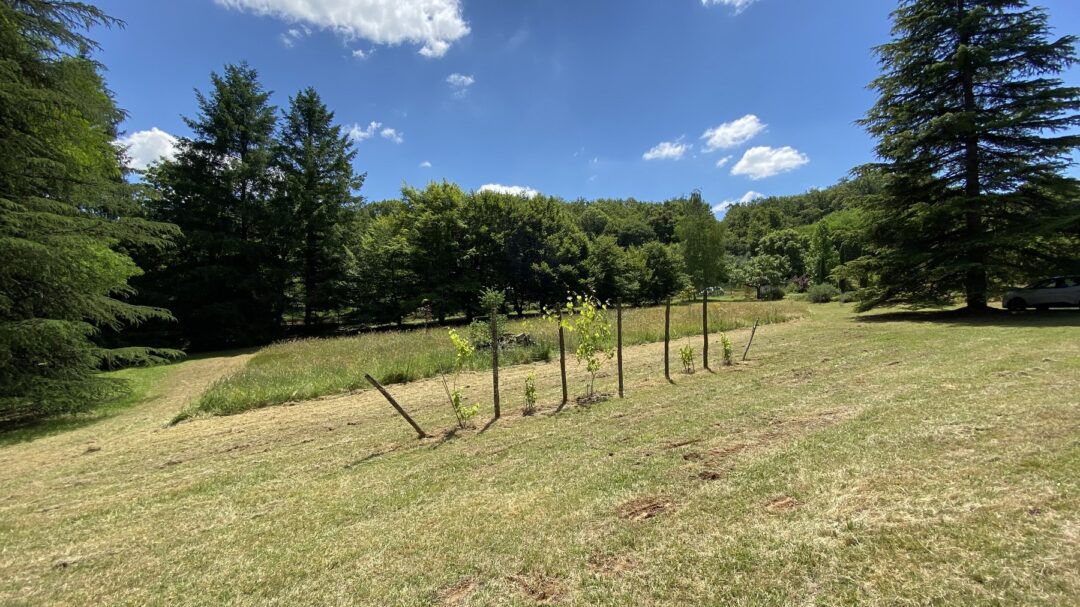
point(603, 98)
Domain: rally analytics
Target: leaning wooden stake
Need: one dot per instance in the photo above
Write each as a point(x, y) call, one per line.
point(419, 431)
point(562, 361)
point(618, 339)
point(667, 340)
point(495, 358)
point(705, 327)
point(752, 332)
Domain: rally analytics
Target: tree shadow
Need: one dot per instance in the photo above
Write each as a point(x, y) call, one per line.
point(990, 318)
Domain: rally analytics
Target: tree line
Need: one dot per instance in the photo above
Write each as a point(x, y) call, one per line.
point(257, 227)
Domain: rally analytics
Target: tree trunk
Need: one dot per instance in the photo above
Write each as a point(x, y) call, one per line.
point(705, 328)
point(618, 341)
point(495, 359)
point(667, 340)
point(975, 281)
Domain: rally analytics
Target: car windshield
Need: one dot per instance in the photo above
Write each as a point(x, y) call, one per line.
point(1044, 284)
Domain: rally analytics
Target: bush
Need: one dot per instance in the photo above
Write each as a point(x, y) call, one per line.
point(822, 293)
point(686, 353)
point(771, 293)
point(728, 351)
point(848, 297)
point(530, 395)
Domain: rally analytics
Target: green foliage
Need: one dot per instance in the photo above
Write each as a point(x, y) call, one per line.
point(664, 272)
point(227, 280)
point(480, 330)
point(69, 223)
point(789, 244)
point(765, 273)
point(530, 395)
point(976, 129)
point(702, 239)
point(823, 255)
point(316, 190)
point(609, 270)
point(823, 293)
point(463, 354)
point(726, 350)
point(686, 355)
point(586, 318)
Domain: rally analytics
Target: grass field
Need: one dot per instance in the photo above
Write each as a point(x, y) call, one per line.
point(305, 369)
point(879, 461)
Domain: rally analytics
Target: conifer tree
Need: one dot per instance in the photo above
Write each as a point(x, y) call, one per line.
point(318, 191)
point(973, 126)
point(67, 217)
point(227, 281)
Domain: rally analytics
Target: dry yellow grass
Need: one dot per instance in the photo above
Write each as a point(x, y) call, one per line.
point(872, 463)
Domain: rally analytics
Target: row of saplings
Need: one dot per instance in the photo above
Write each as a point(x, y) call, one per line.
point(587, 318)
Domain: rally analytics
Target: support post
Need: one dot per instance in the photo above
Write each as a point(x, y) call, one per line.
point(618, 340)
point(667, 340)
point(562, 361)
point(752, 333)
point(495, 359)
point(419, 431)
point(705, 327)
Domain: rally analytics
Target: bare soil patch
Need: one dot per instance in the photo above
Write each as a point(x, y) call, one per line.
point(457, 593)
point(643, 508)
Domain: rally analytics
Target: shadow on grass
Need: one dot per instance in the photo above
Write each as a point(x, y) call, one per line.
point(142, 385)
point(991, 318)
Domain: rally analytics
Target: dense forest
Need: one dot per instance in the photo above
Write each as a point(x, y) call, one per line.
point(258, 228)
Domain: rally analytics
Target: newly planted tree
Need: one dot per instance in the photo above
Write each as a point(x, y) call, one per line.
point(463, 353)
point(491, 300)
point(587, 319)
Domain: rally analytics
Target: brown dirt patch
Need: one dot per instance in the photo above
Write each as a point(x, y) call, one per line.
point(543, 589)
point(456, 593)
point(613, 565)
point(643, 508)
point(711, 475)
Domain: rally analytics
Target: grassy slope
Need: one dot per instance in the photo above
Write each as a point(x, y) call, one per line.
point(848, 462)
point(305, 369)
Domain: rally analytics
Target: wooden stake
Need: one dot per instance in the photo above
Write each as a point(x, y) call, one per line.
point(495, 358)
point(419, 431)
point(705, 327)
point(618, 331)
point(667, 340)
point(752, 332)
point(562, 361)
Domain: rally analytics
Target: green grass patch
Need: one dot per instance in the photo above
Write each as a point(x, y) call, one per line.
point(309, 368)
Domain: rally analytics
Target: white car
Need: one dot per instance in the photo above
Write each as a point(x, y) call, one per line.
point(1056, 292)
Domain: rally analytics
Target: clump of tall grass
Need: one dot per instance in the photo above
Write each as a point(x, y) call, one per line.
point(303, 369)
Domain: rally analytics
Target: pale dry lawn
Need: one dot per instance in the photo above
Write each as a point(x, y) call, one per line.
point(847, 462)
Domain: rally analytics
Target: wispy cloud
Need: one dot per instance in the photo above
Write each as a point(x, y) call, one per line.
point(734, 133)
point(460, 83)
point(668, 150)
point(513, 190)
point(738, 5)
point(727, 204)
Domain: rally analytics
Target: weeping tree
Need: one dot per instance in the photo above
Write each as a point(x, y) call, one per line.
point(68, 219)
point(973, 128)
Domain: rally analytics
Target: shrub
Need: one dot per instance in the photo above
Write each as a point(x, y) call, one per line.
point(728, 351)
point(822, 293)
point(480, 331)
point(686, 353)
point(801, 283)
point(848, 296)
point(593, 330)
point(771, 293)
point(530, 395)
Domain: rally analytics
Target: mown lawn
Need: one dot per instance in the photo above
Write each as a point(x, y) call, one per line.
point(305, 369)
point(891, 461)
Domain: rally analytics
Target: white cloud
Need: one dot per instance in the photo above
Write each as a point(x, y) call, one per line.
point(764, 161)
point(294, 35)
point(667, 150)
point(734, 133)
point(747, 197)
point(514, 190)
point(723, 161)
point(392, 135)
point(144, 148)
point(425, 165)
point(460, 83)
point(432, 24)
point(361, 54)
point(358, 134)
point(738, 5)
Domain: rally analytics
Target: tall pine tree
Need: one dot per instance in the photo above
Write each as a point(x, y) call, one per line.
point(226, 283)
point(972, 123)
point(67, 217)
point(318, 191)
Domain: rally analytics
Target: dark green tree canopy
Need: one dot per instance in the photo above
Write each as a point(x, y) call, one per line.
point(973, 127)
